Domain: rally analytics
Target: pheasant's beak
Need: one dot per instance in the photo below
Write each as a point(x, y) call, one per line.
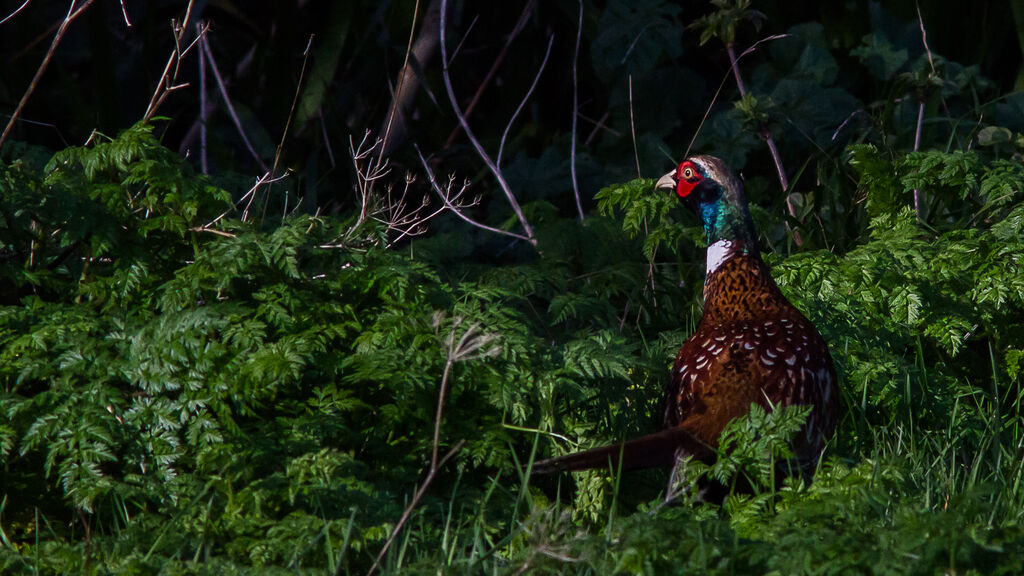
point(667, 182)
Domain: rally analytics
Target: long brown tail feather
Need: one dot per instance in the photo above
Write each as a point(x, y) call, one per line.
point(656, 450)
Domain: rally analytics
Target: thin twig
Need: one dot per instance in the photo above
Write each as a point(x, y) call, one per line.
point(212, 231)
point(412, 506)
point(917, 144)
point(15, 13)
point(783, 180)
point(522, 103)
point(251, 194)
point(469, 133)
point(924, 37)
point(327, 139)
point(921, 104)
point(721, 85)
point(188, 16)
point(404, 89)
point(471, 345)
point(575, 112)
point(397, 100)
point(124, 12)
point(707, 112)
point(465, 36)
point(204, 112)
point(845, 122)
point(396, 214)
point(650, 269)
point(520, 24)
point(71, 15)
point(168, 78)
point(445, 198)
point(632, 128)
point(204, 46)
point(767, 135)
point(598, 125)
point(295, 101)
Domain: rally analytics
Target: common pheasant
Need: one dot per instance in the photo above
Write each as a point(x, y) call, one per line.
point(751, 346)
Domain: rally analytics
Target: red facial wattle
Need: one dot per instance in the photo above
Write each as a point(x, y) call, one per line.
point(684, 188)
point(687, 178)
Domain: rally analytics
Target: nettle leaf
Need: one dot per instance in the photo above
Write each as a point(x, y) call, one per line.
point(994, 135)
point(544, 177)
point(813, 108)
point(880, 57)
point(727, 139)
point(633, 34)
point(804, 52)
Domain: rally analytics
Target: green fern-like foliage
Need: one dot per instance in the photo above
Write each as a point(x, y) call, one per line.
point(193, 389)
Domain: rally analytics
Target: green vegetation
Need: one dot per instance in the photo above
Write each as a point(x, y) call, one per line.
point(197, 377)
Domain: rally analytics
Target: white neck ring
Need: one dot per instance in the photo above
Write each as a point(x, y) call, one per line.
point(718, 253)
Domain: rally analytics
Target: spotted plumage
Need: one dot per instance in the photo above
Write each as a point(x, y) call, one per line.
point(752, 346)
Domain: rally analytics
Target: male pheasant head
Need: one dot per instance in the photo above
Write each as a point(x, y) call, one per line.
point(713, 192)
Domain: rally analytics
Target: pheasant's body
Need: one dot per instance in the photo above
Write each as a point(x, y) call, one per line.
point(751, 346)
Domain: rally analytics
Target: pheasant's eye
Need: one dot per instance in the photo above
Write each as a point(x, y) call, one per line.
point(687, 173)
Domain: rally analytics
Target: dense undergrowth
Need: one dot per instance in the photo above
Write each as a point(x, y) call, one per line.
point(182, 400)
point(191, 384)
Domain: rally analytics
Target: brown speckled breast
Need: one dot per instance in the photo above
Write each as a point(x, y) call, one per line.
point(752, 346)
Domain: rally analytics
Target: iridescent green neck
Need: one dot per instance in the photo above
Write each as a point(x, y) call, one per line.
point(724, 220)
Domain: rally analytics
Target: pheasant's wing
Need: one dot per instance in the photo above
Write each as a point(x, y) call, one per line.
point(777, 361)
point(714, 380)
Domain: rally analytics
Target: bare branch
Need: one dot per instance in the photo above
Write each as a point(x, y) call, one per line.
point(465, 36)
point(765, 133)
point(536, 78)
point(205, 47)
point(449, 199)
point(168, 78)
point(632, 128)
point(924, 37)
point(520, 24)
point(412, 506)
point(471, 345)
point(204, 111)
point(721, 84)
point(15, 13)
point(920, 104)
point(599, 124)
point(212, 231)
point(366, 174)
point(845, 122)
point(395, 212)
point(418, 54)
point(917, 144)
point(72, 14)
point(397, 102)
point(251, 194)
point(124, 12)
point(476, 143)
point(576, 111)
